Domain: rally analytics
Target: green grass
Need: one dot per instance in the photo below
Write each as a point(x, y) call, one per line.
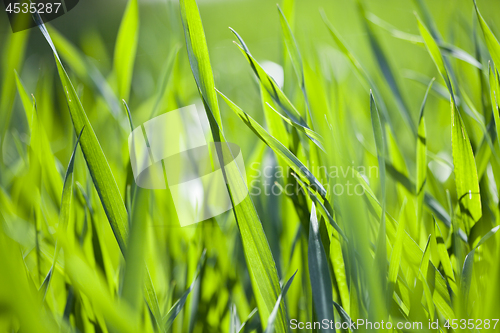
point(408, 90)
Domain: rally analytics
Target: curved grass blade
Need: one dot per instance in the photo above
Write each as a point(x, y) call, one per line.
point(268, 82)
point(293, 51)
point(101, 174)
point(343, 315)
point(275, 91)
point(319, 273)
point(177, 307)
point(445, 48)
point(469, 262)
point(65, 213)
point(126, 48)
point(463, 157)
point(491, 41)
point(387, 72)
point(318, 139)
point(261, 265)
point(276, 146)
point(274, 313)
point(433, 49)
point(322, 208)
point(494, 94)
point(252, 323)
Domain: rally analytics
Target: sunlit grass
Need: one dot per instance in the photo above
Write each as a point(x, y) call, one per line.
point(83, 249)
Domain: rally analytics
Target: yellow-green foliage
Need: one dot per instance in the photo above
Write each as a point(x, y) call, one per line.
point(384, 125)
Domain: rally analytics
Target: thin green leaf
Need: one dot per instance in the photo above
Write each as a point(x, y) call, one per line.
point(494, 94)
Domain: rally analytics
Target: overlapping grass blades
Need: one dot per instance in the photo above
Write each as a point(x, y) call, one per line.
point(463, 157)
point(261, 265)
point(100, 171)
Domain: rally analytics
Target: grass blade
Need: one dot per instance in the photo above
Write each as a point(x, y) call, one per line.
point(387, 72)
point(101, 174)
point(100, 171)
point(276, 146)
point(65, 213)
point(260, 262)
point(422, 157)
point(319, 273)
point(273, 315)
point(491, 40)
point(126, 48)
point(177, 307)
point(463, 157)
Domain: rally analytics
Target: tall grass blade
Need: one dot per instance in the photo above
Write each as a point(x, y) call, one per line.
point(126, 48)
point(463, 157)
point(261, 265)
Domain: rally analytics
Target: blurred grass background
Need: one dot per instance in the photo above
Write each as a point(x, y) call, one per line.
point(88, 295)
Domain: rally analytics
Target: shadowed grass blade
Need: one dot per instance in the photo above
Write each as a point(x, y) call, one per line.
point(273, 315)
point(319, 273)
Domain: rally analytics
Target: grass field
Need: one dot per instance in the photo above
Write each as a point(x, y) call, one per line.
point(370, 134)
